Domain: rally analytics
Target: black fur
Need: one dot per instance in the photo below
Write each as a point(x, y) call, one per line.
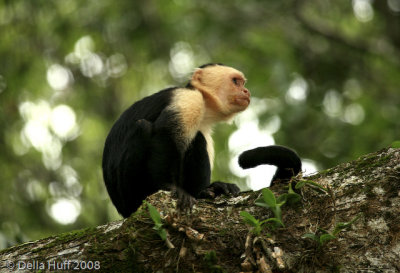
point(287, 160)
point(142, 155)
point(210, 64)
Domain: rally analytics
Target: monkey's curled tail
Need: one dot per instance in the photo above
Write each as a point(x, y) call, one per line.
point(287, 160)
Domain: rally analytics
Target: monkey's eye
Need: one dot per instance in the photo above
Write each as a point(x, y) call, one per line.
point(235, 81)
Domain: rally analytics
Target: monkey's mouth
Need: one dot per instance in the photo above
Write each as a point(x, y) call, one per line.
point(243, 101)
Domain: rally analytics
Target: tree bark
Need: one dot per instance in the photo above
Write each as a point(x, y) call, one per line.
point(364, 194)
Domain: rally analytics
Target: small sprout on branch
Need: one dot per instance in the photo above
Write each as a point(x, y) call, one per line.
point(155, 216)
point(158, 225)
point(251, 221)
point(257, 224)
point(211, 259)
point(268, 200)
point(327, 236)
point(291, 197)
point(315, 186)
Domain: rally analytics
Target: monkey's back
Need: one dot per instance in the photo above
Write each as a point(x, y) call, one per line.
point(126, 145)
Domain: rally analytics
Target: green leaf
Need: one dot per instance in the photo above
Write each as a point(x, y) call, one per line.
point(293, 198)
point(323, 230)
point(300, 184)
point(281, 200)
point(269, 201)
point(260, 202)
point(340, 226)
point(269, 197)
point(211, 257)
point(249, 219)
point(325, 238)
point(256, 230)
point(317, 185)
point(311, 236)
point(162, 233)
point(154, 214)
point(274, 220)
point(157, 226)
point(277, 212)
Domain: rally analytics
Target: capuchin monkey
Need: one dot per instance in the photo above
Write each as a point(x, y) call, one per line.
point(164, 140)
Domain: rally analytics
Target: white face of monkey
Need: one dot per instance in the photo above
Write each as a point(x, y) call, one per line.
point(223, 88)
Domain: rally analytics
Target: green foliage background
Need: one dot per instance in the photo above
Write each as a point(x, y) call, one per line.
point(104, 55)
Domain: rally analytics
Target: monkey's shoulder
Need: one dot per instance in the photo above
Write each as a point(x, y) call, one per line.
point(189, 102)
point(189, 106)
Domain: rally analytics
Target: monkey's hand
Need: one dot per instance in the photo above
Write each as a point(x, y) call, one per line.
point(218, 188)
point(185, 200)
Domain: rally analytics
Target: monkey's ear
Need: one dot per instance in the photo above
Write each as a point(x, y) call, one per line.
point(197, 76)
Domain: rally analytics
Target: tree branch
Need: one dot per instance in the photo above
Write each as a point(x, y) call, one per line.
point(350, 213)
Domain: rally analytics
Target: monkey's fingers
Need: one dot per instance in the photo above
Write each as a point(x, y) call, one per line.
point(219, 188)
point(185, 200)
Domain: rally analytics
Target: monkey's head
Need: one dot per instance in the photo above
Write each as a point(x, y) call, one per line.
point(223, 88)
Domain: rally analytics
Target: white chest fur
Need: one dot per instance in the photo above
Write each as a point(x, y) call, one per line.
point(192, 113)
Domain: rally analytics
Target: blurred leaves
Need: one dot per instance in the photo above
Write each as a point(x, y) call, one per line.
point(328, 71)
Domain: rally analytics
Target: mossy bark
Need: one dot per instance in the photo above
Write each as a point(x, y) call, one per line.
point(214, 238)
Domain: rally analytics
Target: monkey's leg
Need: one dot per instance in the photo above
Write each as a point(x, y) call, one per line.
point(133, 180)
point(196, 167)
point(197, 172)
